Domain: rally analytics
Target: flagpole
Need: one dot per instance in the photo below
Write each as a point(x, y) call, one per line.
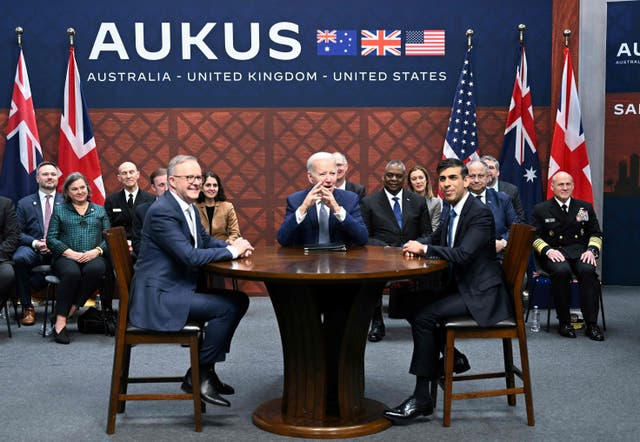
point(521, 28)
point(567, 34)
point(71, 33)
point(19, 32)
point(469, 34)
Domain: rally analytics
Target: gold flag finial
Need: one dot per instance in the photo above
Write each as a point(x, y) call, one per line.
point(469, 35)
point(567, 34)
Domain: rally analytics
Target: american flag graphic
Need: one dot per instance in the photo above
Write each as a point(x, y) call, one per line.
point(424, 43)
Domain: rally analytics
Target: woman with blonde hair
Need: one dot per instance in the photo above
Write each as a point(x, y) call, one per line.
point(420, 183)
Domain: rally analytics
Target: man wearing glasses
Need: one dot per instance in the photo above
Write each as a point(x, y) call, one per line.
point(120, 205)
point(164, 293)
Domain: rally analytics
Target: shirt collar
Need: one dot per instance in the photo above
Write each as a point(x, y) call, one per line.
point(390, 196)
point(182, 203)
point(458, 207)
point(560, 203)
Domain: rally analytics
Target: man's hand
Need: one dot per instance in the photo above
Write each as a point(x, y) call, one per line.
point(588, 257)
point(243, 247)
point(41, 247)
point(329, 200)
point(413, 248)
point(501, 244)
point(555, 255)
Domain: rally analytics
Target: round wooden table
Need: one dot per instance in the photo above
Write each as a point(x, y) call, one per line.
point(323, 303)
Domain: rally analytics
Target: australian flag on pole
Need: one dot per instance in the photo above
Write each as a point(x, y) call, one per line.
point(461, 140)
point(519, 163)
point(22, 152)
point(77, 150)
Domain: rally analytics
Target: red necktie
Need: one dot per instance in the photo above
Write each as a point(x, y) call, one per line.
point(47, 214)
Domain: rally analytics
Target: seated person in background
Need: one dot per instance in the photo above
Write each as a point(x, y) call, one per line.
point(76, 241)
point(393, 216)
point(34, 213)
point(322, 214)
point(217, 215)
point(567, 241)
point(499, 203)
point(502, 186)
point(341, 177)
point(9, 240)
point(163, 290)
point(420, 183)
point(158, 179)
point(120, 205)
point(465, 238)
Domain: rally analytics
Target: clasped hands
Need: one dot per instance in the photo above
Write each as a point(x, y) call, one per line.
point(81, 257)
point(243, 247)
point(324, 194)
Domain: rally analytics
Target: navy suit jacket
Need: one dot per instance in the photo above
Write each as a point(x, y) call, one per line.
point(381, 222)
point(514, 194)
point(503, 212)
point(356, 188)
point(352, 231)
point(30, 217)
point(119, 212)
point(474, 265)
point(166, 271)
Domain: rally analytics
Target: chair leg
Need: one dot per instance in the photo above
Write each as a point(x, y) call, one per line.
point(6, 315)
point(46, 310)
point(604, 323)
point(124, 381)
point(116, 382)
point(526, 377)
point(448, 378)
point(434, 392)
point(507, 351)
point(195, 381)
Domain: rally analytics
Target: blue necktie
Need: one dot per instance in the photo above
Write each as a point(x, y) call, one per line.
point(452, 215)
point(323, 223)
point(396, 211)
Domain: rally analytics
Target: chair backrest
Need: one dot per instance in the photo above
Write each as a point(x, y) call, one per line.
point(123, 267)
point(516, 260)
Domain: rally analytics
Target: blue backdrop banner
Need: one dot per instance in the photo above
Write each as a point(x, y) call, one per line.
point(275, 53)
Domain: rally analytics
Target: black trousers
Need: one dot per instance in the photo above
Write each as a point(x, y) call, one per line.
point(78, 281)
point(561, 274)
point(428, 336)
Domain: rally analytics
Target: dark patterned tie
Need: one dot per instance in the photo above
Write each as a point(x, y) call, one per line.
point(130, 201)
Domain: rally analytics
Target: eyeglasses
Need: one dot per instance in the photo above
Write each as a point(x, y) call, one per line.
point(190, 178)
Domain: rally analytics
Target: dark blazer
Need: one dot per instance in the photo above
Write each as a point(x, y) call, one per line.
point(30, 217)
point(514, 194)
point(474, 265)
point(166, 271)
point(381, 222)
point(120, 214)
point(139, 213)
point(352, 231)
point(9, 230)
point(503, 213)
point(569, 233)
point(356, 188)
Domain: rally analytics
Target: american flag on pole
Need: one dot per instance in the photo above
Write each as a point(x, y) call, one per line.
point(568, 147)
point(77, 150)
point(461, 140)
point(380, 42)
point(22, 152)
point(422, 43)
point(519, 164)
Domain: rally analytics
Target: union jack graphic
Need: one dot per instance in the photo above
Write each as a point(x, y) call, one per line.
point(326, 36)
point(380, 42)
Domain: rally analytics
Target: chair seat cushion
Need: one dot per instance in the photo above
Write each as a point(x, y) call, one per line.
point(190, 327)
point(469, 322)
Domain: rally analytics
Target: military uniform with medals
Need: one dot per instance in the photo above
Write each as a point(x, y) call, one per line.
point(572, 233)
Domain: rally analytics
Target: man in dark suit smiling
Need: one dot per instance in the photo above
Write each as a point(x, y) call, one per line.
point(465, 238)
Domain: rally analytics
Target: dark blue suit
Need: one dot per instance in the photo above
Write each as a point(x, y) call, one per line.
point(503, 212)
point(163, 290)
point(30, 218)
point(477, 286)
point(352, 231)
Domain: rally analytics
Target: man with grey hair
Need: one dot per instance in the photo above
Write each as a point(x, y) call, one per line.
point(502, 186)
point(341, 179)
point(164, 293)
point(322, 214)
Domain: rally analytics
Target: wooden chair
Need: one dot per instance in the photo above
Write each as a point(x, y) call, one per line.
point(515, 262)
point(128, 336)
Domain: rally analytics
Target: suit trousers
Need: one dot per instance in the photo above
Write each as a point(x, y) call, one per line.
point(428, 335)
point(78, 281)
point(25, 259)
point(561, 274)
point(7, 278)
point(221, 310)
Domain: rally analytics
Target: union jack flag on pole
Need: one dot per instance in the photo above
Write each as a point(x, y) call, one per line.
point(519, 163)
point(22, 152)
point(461, 140)
point(77, 149)
point(568, 147)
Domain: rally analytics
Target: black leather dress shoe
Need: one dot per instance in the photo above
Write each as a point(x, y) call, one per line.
point(208, 392)
point(567, 331)
point(409, 410)
point(220, 386)
point(460, 364)
point(594, 333)
point(377, 331)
